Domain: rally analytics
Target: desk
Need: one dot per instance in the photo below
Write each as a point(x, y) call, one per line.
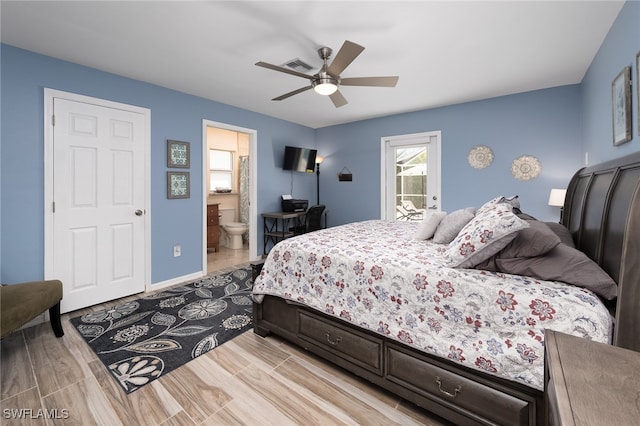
point(277, 224)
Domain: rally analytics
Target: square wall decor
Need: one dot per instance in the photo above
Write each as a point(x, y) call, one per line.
point(178, 185)
point(621, 106)
point(178, 154)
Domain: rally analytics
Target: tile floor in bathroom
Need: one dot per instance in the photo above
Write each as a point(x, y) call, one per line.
point(226, 257)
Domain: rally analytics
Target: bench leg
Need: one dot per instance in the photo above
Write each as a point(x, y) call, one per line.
point(54, 316)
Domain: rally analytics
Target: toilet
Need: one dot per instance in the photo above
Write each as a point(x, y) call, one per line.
point(232, 230)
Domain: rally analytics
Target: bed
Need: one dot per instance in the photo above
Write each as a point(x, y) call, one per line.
point(463, 339)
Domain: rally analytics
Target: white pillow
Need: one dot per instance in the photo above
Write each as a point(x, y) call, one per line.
point(429, 223)
point(452, 223)
point(486, 234)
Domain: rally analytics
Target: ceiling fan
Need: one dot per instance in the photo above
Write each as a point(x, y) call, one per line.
point(327, 80)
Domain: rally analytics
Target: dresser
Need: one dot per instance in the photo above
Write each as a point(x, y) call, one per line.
point(590, 383)
point(213, 227)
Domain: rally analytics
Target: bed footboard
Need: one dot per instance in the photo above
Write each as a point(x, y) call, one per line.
point(460, 395)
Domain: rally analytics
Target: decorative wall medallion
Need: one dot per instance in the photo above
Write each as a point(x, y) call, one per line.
point(526, 167)
point(480, 156)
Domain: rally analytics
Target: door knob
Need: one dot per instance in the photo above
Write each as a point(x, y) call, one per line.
point(138, 212)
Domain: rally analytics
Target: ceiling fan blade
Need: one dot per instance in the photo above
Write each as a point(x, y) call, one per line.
point(347, 53)
point(370, 81)
point(285, 70)
point(337, 99)
point(295, 92)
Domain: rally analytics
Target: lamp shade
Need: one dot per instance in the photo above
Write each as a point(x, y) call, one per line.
point(325, 88)
point(319, 159)
point(556, 197)
point(325, 85)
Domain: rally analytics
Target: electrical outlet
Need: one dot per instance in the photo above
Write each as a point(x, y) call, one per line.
point(177, 250)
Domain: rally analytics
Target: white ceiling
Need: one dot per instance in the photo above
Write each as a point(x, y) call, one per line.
point(445, 52)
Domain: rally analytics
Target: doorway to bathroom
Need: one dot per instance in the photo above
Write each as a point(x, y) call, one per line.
point(230, 194)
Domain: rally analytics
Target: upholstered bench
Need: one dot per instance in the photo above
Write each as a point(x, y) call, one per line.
point(20, 303)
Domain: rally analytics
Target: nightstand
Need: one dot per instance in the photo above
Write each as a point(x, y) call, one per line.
point(590, 383)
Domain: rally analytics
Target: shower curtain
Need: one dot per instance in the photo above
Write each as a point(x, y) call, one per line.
point(244, 194)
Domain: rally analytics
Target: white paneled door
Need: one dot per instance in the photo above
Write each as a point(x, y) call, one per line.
point(98, 213)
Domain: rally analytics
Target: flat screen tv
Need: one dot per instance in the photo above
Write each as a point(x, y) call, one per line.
point(299, 159)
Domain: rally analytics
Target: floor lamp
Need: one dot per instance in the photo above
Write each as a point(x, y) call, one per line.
point(318, 161)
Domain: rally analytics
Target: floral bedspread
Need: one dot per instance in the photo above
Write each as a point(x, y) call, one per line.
point(375, 275)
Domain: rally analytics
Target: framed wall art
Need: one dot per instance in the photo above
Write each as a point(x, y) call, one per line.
point(178, 154)
point(621, 107)
point(178, 185)
point(638, 88)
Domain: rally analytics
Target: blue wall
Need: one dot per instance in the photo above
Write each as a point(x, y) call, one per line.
point(556, 125)
point(545, 124)
point(174, 115)
point(617, 51)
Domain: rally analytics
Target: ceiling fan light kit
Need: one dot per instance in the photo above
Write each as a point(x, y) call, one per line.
point(327, 81)
point(325, 85)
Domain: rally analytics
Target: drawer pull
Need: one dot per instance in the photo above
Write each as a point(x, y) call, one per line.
point(457, 390)
point(333, 342)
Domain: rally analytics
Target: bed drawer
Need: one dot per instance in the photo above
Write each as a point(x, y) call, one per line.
point(357, 348)
point(480, 403)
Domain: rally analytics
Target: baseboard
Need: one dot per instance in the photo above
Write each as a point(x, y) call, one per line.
point(177, 280)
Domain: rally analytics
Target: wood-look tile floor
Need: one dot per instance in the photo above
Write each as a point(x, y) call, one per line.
point(249, 380)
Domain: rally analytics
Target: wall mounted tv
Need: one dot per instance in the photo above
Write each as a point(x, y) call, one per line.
point(299, 159)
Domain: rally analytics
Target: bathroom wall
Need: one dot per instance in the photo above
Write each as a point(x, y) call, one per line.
point(238, 143)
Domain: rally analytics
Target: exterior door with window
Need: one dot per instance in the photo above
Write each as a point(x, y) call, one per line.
point(410, 176)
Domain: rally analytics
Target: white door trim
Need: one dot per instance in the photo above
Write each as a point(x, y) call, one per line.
point(253, 187)
point(49, 95)
point(408, 139)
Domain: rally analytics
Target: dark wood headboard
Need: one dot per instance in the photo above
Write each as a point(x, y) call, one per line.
point(602, 211)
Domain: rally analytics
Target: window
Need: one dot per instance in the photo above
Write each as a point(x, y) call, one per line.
point(220, 170)
point(411, 181)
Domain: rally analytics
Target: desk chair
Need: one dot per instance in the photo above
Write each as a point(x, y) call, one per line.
point(312, 220)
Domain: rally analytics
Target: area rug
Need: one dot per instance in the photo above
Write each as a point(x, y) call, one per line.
point(143, 339)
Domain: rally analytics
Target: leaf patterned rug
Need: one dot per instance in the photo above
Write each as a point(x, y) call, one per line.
point(143, 339)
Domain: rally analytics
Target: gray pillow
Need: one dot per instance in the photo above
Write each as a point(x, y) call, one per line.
point(525, 216)
point(563, 263)
point(451, 224)
point(562, 232)
point(533, 241)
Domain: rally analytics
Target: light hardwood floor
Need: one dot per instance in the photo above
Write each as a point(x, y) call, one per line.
point(247, 381)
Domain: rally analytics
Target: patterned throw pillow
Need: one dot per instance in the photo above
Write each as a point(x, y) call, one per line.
point(513, 201)
point(492, 228)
